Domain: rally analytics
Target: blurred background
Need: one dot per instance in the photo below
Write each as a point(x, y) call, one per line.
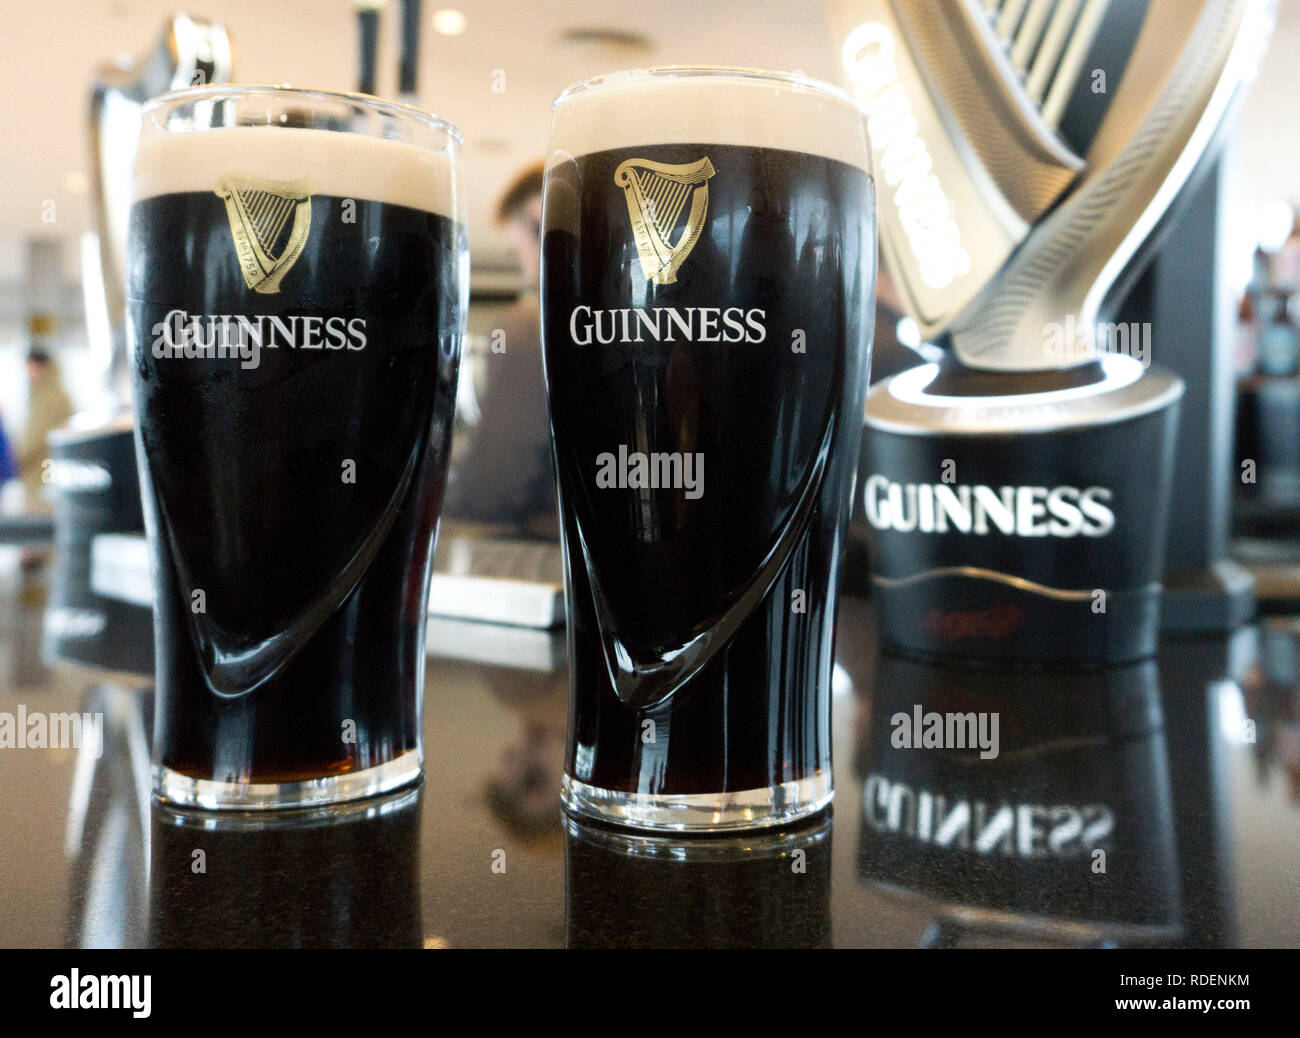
point(493, 69)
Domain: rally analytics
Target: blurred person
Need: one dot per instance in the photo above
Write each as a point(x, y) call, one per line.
point(48, 408)
point(8, 463)
point(504, 476)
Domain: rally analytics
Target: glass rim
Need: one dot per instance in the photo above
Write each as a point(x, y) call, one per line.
point(649, 73)
point(385, 106)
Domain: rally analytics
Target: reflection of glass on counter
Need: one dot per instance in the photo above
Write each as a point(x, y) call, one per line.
point(107, 831)
point(768, 889)
point(1065, 836)
point(346, 876)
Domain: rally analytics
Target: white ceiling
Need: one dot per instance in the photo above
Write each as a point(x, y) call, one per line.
point(50, 50)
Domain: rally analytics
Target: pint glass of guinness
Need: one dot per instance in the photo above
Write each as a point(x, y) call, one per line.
point(297, 294)
point(707, 303)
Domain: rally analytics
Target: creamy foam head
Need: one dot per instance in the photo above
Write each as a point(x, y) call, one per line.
point(757, 109)
point(345, 165)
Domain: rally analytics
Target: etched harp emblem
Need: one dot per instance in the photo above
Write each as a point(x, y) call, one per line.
point(656, 194)
point(269, 222)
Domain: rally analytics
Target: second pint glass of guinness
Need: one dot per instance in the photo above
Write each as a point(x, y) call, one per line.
point(707, 304)
point(296, 296)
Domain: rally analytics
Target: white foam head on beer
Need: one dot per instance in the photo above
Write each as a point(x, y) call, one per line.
point(643, 108)
point(336, 163)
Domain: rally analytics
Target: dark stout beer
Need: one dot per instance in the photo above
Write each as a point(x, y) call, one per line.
point(293, 444)
point(707, 308)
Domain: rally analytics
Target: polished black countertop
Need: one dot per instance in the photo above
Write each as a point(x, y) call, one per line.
point(1156, 804)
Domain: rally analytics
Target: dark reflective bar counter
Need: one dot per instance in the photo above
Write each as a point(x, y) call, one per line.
point(1156, 804)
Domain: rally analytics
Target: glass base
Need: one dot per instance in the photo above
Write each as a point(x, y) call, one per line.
point(174, 788)
point(700, 812)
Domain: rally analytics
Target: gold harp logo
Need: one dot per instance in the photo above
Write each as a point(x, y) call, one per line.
point(656, 193)
point(269, 222)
